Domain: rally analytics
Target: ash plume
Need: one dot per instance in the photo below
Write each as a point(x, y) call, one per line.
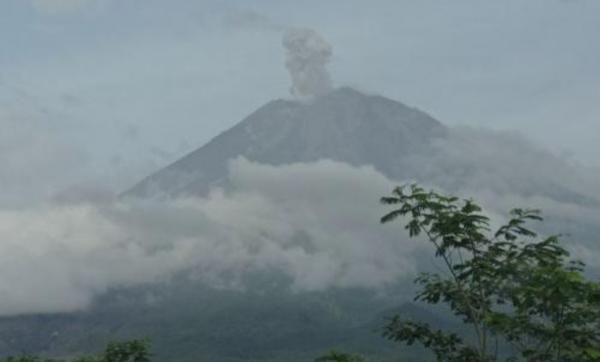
point(307, 55)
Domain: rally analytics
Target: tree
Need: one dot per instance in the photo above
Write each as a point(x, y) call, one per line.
point(512, 288)
point(334, 356)
point(136, 350)
point(129, 351)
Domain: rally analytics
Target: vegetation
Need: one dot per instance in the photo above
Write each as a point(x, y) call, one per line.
point(334, 356)
point(521, 296)
point(136, 350)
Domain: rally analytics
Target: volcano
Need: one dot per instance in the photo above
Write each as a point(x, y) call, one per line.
point(399, 141)
point(344, 125)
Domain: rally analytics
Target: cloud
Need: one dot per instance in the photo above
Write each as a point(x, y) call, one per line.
point(504, 170)
point(294, 220)
point(471, 160)
point(316, 224)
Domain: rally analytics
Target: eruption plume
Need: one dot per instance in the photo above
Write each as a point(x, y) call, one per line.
point(307, 55)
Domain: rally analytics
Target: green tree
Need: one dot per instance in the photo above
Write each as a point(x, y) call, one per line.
point(334, 356)
point(512, 288)
point(137, 350)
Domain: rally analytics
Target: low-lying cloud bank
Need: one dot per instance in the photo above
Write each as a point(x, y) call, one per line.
point(316, 224)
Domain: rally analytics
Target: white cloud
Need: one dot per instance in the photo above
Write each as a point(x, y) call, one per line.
point(316, 223)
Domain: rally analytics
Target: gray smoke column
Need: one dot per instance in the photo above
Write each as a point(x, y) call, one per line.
point(307, 55)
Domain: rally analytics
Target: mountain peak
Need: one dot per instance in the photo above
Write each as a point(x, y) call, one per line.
point(343, 125)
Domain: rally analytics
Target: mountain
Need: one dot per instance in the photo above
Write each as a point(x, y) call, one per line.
point(344, 125)
point(401, 142)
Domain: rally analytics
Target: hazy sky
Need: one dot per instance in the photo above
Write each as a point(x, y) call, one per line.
point(105, 91)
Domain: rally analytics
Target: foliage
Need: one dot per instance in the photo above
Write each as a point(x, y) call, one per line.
point(136, 350)
point(334, 356)
point(130, 351)
point(510, 287)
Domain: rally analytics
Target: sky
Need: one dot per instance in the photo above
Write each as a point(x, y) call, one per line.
point(97, 94)
point(107, 91)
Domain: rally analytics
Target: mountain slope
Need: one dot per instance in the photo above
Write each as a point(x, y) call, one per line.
point(401, 142)
point(344, 125)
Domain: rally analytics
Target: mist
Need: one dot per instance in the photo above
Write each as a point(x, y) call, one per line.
point(293, 220)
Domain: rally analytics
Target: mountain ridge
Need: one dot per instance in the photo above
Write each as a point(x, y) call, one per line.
point(344, 125)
